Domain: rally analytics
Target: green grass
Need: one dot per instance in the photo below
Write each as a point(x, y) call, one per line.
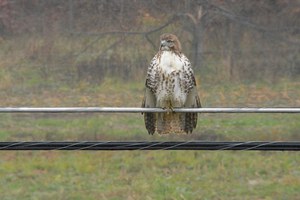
point(150, 175)
point(235, 127)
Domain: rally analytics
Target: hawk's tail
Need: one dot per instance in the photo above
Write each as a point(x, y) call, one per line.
point(178, 123)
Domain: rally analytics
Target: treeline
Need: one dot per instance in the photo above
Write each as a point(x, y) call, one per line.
point(231, 39)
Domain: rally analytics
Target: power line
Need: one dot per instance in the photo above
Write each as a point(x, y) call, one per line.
point(141, 110)
point(154, 145)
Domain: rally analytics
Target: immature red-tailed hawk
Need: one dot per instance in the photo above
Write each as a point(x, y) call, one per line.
point(170, 83)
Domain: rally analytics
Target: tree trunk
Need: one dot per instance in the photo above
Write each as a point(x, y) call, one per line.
point(198, 21)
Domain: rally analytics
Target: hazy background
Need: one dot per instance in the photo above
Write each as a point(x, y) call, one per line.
point(72, 41)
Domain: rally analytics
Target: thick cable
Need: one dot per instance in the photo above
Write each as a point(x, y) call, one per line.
point(153, 145)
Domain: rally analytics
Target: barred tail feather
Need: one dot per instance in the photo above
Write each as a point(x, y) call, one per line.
point(190, 122)
point(150, 121)
point(168, 123)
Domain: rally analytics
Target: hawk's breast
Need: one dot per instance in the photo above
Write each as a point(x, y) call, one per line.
point(170, 91)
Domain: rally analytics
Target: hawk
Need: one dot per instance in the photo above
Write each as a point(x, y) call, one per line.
point(170, 83)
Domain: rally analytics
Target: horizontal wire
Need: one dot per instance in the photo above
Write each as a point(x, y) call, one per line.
point(153, 145)
point(142, 110)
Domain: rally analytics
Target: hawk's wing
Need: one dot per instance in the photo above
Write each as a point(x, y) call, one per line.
point(149, 118)
point(149, 98)
point(192, 100)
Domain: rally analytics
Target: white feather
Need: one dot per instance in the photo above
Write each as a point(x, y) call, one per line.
point(170, 62)
point(170, 65)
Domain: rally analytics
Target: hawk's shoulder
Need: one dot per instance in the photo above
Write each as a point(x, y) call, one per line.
point(152, 77)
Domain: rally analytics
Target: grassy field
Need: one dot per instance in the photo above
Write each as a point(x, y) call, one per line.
point(149, 174)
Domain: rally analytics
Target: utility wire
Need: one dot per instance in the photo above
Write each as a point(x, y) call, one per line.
point(143, 110)
point(153, 145)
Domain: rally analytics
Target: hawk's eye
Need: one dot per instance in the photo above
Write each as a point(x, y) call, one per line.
point(169, 41)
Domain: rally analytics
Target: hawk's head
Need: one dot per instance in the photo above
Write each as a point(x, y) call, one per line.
point(169, 42)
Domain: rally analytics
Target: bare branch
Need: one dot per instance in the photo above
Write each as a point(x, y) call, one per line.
point(170, 21)
point(245, 21)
